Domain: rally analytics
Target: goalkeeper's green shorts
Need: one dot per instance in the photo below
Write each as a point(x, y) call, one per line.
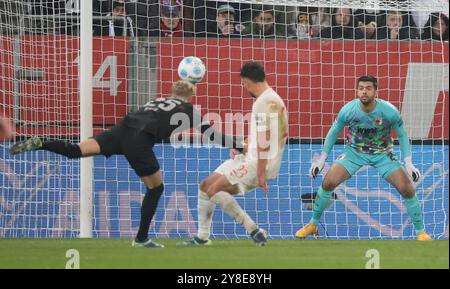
point(385, 163)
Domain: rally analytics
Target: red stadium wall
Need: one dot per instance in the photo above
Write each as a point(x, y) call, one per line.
point(51, 103)
point(315, 78)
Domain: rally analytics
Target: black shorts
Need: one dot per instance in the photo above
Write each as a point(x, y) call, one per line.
point(134, 144)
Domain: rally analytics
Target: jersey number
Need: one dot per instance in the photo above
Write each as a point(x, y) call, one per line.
point(166, 105)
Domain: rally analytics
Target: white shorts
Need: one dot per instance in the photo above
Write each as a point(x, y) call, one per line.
point(240, 172)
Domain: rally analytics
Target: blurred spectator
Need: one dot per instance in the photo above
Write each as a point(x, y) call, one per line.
point(436, 28)
point(187, 14)
point(342, 26)
point(303, 24)
point(369, 30)
point(310, 20)
point(369, 21)
point(398, 26)
point(144, 14)
point(205, 15)
point(115, 27)
point(319, 18)
point(171, 24)
point(264, 24)
point(420, 18)
point(225, 25)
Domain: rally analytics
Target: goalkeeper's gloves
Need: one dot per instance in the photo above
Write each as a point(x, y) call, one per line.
point(318, 165)
point(412, 171)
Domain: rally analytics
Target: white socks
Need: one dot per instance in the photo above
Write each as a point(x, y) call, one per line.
point(205, 211)
point(232, 208)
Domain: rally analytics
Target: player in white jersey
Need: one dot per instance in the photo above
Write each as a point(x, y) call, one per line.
point(259, 162)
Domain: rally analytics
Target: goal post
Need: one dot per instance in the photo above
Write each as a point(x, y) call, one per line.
point(86, 118)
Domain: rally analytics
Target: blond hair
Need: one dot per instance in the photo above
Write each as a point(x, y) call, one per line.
point(183, 88)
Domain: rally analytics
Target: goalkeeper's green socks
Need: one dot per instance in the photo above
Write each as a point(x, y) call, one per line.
point(415, 213)
point(320, 204)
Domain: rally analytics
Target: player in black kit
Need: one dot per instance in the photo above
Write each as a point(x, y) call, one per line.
point(134, 137)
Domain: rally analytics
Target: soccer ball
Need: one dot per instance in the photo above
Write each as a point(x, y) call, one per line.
point(192, 69)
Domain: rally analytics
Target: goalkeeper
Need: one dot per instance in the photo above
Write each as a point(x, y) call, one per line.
point(134, 137)
point(369, 121)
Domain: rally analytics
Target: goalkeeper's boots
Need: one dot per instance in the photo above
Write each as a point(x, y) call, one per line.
point(30, 144)
point(196, 241)
point(148, 243)
point(259, 236)
point(423, 236)
point(307, 230)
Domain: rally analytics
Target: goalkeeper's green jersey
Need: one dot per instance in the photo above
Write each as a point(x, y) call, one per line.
point(369, 133)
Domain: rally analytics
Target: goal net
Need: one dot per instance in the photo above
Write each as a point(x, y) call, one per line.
point(312, 51)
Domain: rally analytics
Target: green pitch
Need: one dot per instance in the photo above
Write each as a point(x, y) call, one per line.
point(235, 253)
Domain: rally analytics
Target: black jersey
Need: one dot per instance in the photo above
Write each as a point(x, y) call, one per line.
point(162, 116)
point(159, 117)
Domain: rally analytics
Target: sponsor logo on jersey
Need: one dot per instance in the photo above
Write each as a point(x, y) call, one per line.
point(379, 121)
point(367, 131)
point(341, 157)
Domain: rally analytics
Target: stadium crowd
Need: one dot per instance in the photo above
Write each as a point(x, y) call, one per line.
point(212, 19)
